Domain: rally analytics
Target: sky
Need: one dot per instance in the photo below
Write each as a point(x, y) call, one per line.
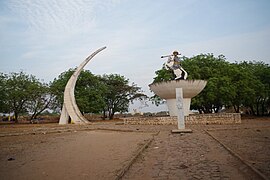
point(47, 37)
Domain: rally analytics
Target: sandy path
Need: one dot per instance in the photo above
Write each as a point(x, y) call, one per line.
point(80, 155)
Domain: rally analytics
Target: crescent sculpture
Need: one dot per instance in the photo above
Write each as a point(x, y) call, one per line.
point(70, 108)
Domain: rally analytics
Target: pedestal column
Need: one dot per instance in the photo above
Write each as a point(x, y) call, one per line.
point(180, 112)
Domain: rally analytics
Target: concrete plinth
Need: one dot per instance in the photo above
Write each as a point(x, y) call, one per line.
point(171, 103)
point(181, 131)
point(180, 108)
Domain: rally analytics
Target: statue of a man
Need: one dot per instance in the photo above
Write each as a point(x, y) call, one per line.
point(174, 63)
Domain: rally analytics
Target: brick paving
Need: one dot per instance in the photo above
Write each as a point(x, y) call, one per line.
point(257, 153)
point(187, 156)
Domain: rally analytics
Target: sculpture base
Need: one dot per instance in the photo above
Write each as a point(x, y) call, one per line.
point(166, 90)
point(171, 103)
point(181, 131)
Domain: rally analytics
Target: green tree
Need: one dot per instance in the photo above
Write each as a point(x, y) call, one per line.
point(238, 85)
point(3, 96)
point(18, 90)
point(219, 90)
point(89, 91)
point(57, 87)
point(163, 75)
point(206, 67)
point(41, 99)
point(119, 94)
point(257, 85)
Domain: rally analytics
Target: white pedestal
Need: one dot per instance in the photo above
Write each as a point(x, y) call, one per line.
point(180, 112)
point(171, 103)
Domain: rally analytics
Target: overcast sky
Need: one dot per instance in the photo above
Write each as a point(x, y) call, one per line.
point(47, 37)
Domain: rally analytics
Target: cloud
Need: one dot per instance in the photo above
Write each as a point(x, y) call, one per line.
point(242, 47)
point(61, 33)
point(58, 15)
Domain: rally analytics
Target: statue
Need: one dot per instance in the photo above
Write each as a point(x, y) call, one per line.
point(174, 63)
point(70, 108)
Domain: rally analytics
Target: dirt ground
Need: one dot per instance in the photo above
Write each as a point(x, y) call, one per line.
point(76, 155)
point(103, 150)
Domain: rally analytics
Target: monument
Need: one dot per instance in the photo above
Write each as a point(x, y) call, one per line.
point(178, 92)
point(167, 90)
point(70, 108)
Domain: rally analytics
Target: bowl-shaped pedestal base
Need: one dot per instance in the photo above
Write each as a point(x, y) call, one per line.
point(167, 90)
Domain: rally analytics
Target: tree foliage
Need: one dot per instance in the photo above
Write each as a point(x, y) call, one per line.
point(21, 93)
point(41, 99)
point(89, 91)
point(3, 96)
point(119, 94)
point(105, 94)
point(243, 85)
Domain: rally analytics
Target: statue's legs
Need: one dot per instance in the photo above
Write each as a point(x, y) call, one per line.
point(180, 73)
point(184, 72)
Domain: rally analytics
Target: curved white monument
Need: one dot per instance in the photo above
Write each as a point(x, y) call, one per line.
point(167, 91)
point(70, 108)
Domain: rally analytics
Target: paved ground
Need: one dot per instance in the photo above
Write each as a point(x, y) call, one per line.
point(188, 156)
point(170, 156)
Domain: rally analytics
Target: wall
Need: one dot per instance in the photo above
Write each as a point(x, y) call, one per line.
point(219, 118)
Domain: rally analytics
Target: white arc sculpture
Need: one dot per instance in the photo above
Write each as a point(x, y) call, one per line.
point(70, 108)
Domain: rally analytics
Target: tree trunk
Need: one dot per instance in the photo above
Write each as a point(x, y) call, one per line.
point(236, 108)
point(104, 114)
point(33, 115)
point(111, 115)
point(257, 109)
point(252, 110)
point(263, 108)
point(16, 117)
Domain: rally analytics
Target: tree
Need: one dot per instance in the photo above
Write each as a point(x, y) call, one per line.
point(164, 75)
point(238, 85)
point(41, 99)
point(18, 90)
point(258, 85)
point(210, 68)
point(96, 94)
point(89, 91)
point(219, 90)
point(3, 96)
point(58, 85)
point(119, 93)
